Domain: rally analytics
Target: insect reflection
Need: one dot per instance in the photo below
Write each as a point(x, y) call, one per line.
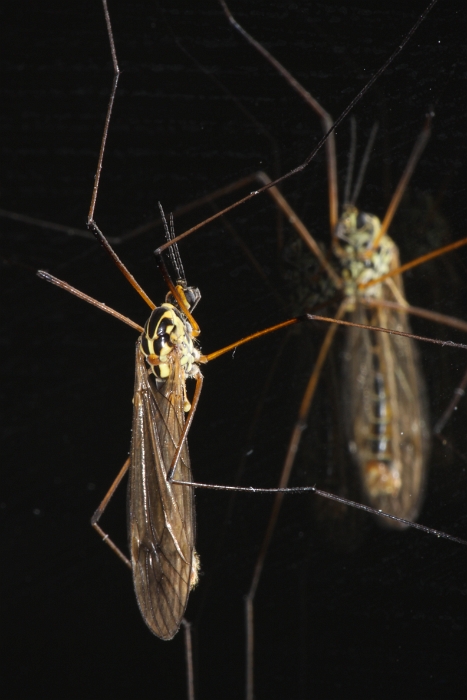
point(384, 393)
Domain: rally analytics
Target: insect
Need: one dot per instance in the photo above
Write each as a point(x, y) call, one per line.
point(161, 520)
point(456, 402)
point(384, 393)
point(86, 359)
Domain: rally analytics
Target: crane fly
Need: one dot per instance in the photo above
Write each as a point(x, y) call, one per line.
point(161, 517)
point(384, 394)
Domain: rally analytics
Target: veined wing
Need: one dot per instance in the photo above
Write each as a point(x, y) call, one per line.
point(161, 520)
point(386, 409)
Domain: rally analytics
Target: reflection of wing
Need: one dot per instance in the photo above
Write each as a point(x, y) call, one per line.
point(160, 515)
point(386, 412)
point(324, 460)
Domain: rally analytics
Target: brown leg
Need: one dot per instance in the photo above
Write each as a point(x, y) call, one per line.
point(189, 659)
point(103, 505)
point(284, 480)
point(186, 427)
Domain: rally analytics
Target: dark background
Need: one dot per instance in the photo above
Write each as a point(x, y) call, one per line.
point(344, 606)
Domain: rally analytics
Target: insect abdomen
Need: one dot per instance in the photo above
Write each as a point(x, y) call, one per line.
point(380, 469)
point(385, 408)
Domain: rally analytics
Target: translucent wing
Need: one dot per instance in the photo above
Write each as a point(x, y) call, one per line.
point(161, 519)
point(386, 409)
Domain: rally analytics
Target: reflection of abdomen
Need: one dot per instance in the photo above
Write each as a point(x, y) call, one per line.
point(385, 413)
point(381, 474)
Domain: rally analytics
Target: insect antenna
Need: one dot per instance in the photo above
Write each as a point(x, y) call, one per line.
point(363, 166)
point(186, 297)
point(174, 252)
point(351, 159)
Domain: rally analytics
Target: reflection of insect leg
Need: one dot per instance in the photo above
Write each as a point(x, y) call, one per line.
point(458, 394)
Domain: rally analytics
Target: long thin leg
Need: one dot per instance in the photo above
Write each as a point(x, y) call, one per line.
point(459, 392)
point(189, 659)
point(102, 506)
point(442, 319)
point(138, 230)
point(326, 319)
point(186, 427)
point(114, 257)
point(331, 497)
point(294, 443)
point(108, 115)
point(418, 261)
point(326, 119)
point(90, 300)
point(186, 625)
point(414, 157)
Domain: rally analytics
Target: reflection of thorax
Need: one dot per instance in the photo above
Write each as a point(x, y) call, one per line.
point(360, 263)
